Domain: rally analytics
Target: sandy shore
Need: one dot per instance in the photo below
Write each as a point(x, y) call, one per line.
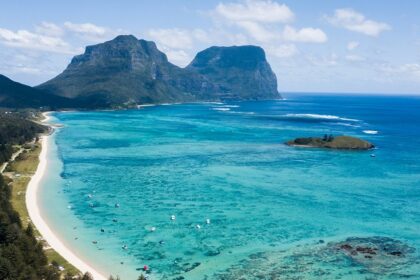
point(39, 222)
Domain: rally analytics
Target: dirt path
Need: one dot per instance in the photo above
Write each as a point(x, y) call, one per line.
point(14, 156)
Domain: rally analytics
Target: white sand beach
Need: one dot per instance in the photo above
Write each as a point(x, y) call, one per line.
point(39, 222)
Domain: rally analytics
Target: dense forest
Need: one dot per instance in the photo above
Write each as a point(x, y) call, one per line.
point(16, 130)
point(21, 255)
point(17, 95)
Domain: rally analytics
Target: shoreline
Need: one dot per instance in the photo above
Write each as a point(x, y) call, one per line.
point(41, 225)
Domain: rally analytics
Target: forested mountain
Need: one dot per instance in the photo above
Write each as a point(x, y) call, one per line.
point(16, 95)
point(236, 73)
point(126, 71)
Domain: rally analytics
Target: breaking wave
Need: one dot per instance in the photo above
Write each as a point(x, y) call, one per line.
point(221, 109)
point(370, 131)
point(318, 117)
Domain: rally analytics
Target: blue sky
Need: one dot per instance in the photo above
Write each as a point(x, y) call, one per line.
point(312, 46)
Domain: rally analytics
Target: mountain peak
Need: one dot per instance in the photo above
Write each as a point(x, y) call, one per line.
point(236, 56)
point(130, 70)
point(238, 72)
point(125, 38)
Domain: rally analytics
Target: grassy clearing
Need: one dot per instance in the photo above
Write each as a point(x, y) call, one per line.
point(21, 171)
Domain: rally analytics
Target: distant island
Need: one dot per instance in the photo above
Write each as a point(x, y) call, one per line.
point(331, 142)
point(126, 72)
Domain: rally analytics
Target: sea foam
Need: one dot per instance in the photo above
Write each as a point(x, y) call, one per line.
point(318, 117)
point(221, 109)
point(370, 131)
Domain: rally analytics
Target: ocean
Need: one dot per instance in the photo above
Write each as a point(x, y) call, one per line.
point(210, 191)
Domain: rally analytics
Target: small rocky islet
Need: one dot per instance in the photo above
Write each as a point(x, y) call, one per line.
point(342, 142)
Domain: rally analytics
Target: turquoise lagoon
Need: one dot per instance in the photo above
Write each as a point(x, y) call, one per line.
point(273, 209)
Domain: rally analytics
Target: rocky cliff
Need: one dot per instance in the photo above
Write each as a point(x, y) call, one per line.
point(236, 73)
point(127, 71)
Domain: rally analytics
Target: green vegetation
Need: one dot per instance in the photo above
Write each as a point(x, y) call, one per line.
point(6, 151)
point(126, 71)
point(21, 255)
point(331, 142)
point(235, 73)
point(16, 130)
point(16, 95)
point(25, 165)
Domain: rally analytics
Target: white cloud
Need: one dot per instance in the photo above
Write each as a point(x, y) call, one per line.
point(354, 57)
point(49, 29)
point(329, 60)
point(177, 38)
point(91, 32)
point(26, 69)
point(85, 28)
point(176, 41)
point(309, 34)
point(172, 38)
point(257, 31)
point(262, 22)
point(30, 40)
point(201, 35)
point(283, 50)
point(357, 22)
point(178, 57)
point(352, 45)
point(410, 69)
point(255, 10)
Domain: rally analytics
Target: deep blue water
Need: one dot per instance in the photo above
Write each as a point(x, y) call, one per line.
point(269, 205)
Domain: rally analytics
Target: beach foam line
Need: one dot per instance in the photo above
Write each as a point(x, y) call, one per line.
point(40, 224)
point(346, 124)
point(229, 106)
point(145, 105)
point(370, 131)
point(318, 117)
point(221, 109)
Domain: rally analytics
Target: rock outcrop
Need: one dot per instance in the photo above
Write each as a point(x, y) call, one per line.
point(236, 73)
point(339, 142)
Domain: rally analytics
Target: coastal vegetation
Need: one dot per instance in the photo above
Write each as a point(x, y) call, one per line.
point(20, 171)
point(21, 255)
point(16, 130)
point(17, 95)
point(18, 136)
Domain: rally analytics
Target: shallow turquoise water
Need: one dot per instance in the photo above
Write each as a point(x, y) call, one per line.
point(268, 204)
